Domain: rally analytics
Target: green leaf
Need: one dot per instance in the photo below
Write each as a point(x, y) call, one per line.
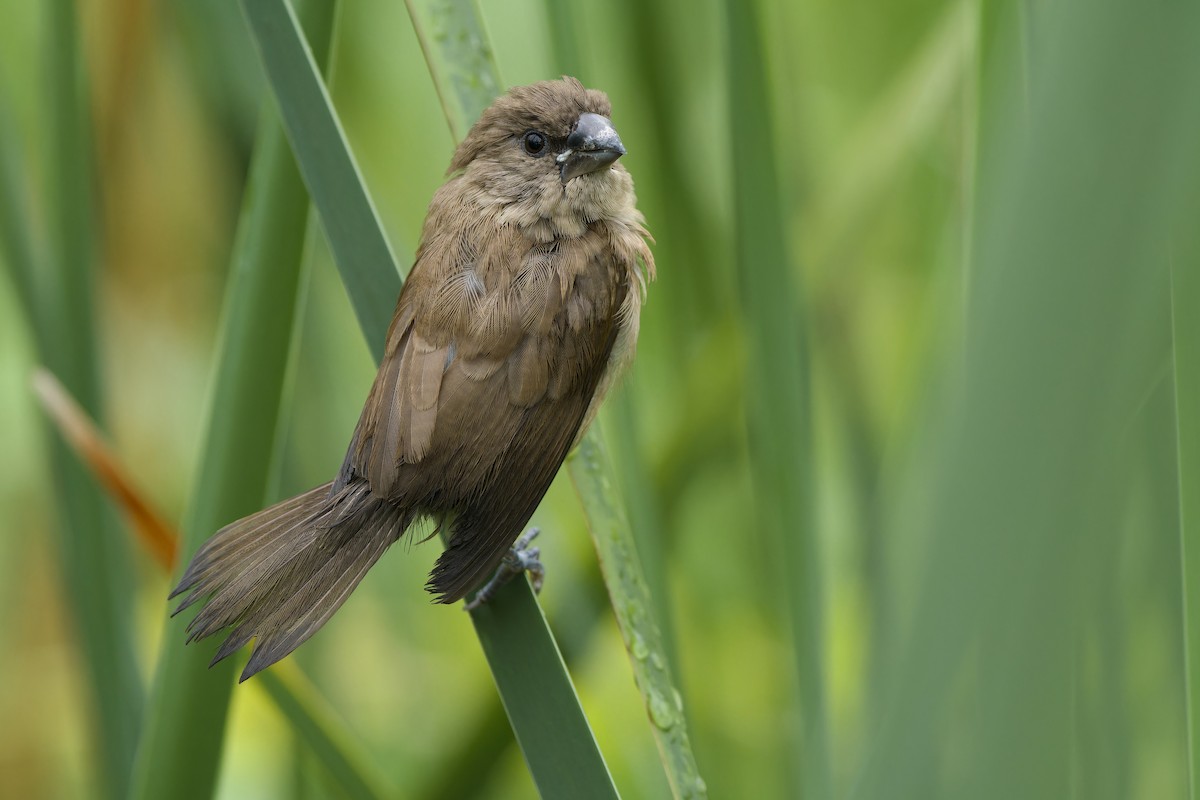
point(1033, 466)
point(94, 558)
point(592, 472)
point(356, 239)
point(16, 233)
point(778, 402)
point(460, 58)
point(319, 728)
point(466, 81)
point(1185, 316)
point(180, 750)
point(530, 675)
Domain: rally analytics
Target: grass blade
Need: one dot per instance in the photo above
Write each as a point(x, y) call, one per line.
point(16, 237)
point(460, 58)
point(779, 405)
point(1031, 479)
point(464, 80)
point(181, 745)
point(644, 511)
point(1185, 317)
point(292, 692)
point(555, 737)
point(526, 664)
point(95, 561)
point(592, 474)
point(351, 224)
point(318, 727)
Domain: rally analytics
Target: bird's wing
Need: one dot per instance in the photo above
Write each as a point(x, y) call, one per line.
point(490, 366)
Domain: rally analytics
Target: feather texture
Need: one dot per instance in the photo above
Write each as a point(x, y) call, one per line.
point(520, 309)
point(280, 574)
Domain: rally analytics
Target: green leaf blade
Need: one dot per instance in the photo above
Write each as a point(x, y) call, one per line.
point(1185, 318)
point(779, 401)
point(348, 216)
point(181, 744)
point(511, 628)
point(94, 557)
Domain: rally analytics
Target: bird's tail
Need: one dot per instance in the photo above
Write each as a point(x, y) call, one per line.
point(280, 574)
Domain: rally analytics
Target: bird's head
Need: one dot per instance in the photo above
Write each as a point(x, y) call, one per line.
point(547, 153)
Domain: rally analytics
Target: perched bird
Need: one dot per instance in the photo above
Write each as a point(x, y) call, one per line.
point(521, 308)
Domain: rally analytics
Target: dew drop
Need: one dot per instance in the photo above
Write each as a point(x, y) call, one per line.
point(660, 711)
point(639, 649)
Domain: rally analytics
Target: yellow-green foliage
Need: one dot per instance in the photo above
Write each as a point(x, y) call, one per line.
point(905, 447)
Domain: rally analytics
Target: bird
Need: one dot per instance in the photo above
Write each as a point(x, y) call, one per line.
point(520, 311)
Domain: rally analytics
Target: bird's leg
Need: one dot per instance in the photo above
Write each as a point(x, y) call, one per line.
point(520, 558)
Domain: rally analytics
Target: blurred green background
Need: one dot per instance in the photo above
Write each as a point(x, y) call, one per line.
point(901, 445)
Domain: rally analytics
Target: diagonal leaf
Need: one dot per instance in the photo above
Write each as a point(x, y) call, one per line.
point(292, 692)
point(465, 77)
point(180, 749)
point(95, 563)
point(592, 474)
point(538, 696)
point(459, 56)
point(319, 727)
point(351, 224)
point(16, 236)
point(1185, 307)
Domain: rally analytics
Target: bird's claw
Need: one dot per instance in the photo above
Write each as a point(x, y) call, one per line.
point(520, 558)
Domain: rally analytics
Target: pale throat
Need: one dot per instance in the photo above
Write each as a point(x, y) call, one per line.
point(547, 210)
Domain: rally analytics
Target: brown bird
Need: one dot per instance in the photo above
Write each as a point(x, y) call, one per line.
point(521, 308)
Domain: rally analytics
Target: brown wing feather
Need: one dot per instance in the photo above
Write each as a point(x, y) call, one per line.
point(483, 389)
point(539, 439)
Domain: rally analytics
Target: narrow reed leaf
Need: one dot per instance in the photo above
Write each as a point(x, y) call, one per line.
point(779, 405)
point(592, 472)
point(1031, 475)
point(291, 691)
point(1002, 84)
point(180, 751)
point(483, 748)
point(555, 736)
point(16, 229)
point(356, 238)
point(530, 675)
point(317, 725)
point(94, 560)
point(460, 58)
point(1185, 316)
point(645, 516)
point(471, 77)
point(562, 18)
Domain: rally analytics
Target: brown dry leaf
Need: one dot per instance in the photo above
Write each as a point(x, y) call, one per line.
point(158, 537)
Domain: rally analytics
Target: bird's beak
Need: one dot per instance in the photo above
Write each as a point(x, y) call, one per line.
point(593, 145)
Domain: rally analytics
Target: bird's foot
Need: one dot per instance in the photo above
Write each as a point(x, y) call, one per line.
point(520, 558)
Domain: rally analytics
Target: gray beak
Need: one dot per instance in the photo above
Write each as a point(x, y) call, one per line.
point(593, 145)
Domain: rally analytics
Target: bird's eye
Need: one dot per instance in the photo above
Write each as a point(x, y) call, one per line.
point(535, 143)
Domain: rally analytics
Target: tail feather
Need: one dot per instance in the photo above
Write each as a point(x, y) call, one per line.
point(279, 575)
